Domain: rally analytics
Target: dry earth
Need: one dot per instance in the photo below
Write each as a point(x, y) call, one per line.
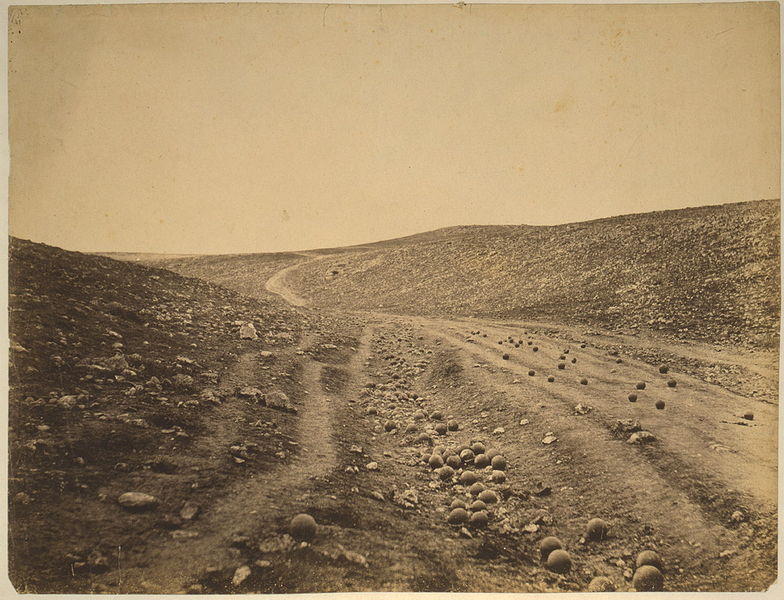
point(373, 394)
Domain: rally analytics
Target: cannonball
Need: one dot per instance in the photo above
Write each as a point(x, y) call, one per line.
point(574, 360)
point(583, 381)
point(596, 530)
point(649, 557)
point(390, 425)
point(659, 404)
point(549, 544)
point(477, 488)
point(664, 369)
point(445, 473)
point(418, 415)
point(478, 448)
point(457, 503)
point(535, 348)
point(436, 415)
point(467, 455)
point(303, 527)
point(562, 366)
point(498, 477)
point(477, 505)
point(423, 438)
point(531, 373)
point(457, 516)
point(498, 463)
point(488, 497)
point(467, 478)
point(641, 385)
point(559, 561)
point(435, 461)
point(648, 579)
point(550, 379)
point(439, 450)
point(481, 461)
point(441, 428)
point(632, 397)
point(453, 425)
point(492, 453)
point(453, 460)
point(479, 519)
point(672, 383)
point(411, 428)
point(371, 410)
point(505, 356)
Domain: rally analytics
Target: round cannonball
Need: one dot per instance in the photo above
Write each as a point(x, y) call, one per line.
point(478, 448)
point(481, 461)
point(664, 369)
point(547, 545)
point(477, 505)
point(477, 488)
point(303, 528)
point(559, 561)
point(641, 385)
point(467, 455)
point(435, 461)
point(648, 579)
point(479, 519)
point(453, 460)
point(445, 473)
point(550, 379)
point(596, 530)
point(659, 404)
point(488, 497)
point(632, 397)
point(453, 425)
point(498, 477)
point(531, 373)
point(498, 463)
point(441, 428)
point(583, 381)
point(467, 478)
point(457, 516)
point(457, 503)
point(672, 383)
point(649, 557)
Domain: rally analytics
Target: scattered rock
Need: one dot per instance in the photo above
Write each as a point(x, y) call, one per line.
point(137, 501)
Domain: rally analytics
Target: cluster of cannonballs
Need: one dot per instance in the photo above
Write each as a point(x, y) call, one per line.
point(649, 565)
point(660, 404)
point(454, 465)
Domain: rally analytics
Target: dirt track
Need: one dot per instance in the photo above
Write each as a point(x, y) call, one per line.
point(677, 494)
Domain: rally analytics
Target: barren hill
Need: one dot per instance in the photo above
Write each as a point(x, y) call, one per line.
point(709, 273)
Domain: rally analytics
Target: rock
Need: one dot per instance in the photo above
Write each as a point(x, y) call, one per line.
point(748, 415)
point(372, 466)
point(641, 437)
point(248, 332)
point(182, 381)
point(137, 501)
point(265, 354)
point(549, 438)
point(601, 584)
point(240, 575)
point(737, 517)
point(189, 511)
point(279, 401)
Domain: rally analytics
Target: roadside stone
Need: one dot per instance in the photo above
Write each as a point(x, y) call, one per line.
point(137, 501)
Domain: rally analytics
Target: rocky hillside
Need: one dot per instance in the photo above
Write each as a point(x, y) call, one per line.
point(118, 384)
point(709, 273)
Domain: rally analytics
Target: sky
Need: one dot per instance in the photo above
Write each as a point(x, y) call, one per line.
point(255, 128)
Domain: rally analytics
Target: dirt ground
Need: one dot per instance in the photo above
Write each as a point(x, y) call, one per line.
point(376, 395)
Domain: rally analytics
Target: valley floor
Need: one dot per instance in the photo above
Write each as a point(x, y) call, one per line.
point(702, 493)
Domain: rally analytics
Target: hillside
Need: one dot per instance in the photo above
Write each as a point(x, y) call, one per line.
point(114, 387)
point(709, 273)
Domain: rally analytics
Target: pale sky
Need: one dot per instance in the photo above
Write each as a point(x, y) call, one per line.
point(249, 128)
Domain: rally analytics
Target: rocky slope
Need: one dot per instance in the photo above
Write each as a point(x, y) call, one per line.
point(124, 379)
point(709, 273)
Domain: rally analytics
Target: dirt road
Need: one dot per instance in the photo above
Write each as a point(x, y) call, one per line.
point(702, 493)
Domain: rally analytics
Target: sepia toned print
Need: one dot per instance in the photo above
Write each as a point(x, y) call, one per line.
point(400, 298)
